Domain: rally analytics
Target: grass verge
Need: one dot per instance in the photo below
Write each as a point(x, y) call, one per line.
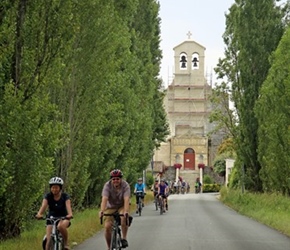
point(272, 210)
point(84, 225)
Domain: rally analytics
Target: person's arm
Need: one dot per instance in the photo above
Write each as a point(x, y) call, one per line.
point(103, 205)
point(144, 189)
point(68, 209)
point(43, 207)
point(126, 204)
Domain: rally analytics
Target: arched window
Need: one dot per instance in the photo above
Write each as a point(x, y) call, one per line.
point(195, 60)
point(183, 61)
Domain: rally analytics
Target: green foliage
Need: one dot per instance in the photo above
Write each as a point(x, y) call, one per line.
point(207, 179)
point(253, 31)
point(80, 95)
point(211, 188)
point(274, 132)
point(149, 180)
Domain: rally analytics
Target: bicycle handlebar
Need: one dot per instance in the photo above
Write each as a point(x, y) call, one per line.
point(52, 218)
point(115, 216)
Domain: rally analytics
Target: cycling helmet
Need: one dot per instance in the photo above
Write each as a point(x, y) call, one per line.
point(140, 179)
point(162, 180)
point(116, 173)
point(56, 181)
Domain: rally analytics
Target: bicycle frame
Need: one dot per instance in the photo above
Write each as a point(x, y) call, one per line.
point(116, 243)
point(139, 199)
point(156, 201)
point(56, 240)
point(161, 204)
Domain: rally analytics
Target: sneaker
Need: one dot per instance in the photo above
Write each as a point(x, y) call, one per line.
point(124, 243)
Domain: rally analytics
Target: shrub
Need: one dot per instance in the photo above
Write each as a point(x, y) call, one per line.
point(211, 188)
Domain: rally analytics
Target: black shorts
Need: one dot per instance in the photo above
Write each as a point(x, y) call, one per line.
point(49, 222)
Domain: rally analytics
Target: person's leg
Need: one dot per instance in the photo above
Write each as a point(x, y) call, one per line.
point(108, 223)
point(62, 227)
point(137, 200)
point(124, 228)
point(142, 198)
point(48, 235)
point(108, 231)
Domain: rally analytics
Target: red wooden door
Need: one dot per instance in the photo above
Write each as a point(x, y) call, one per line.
point(189, 161)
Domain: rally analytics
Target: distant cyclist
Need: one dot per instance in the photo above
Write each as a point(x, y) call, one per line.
point(139, 187)
point(59, 205)
point(155, 187)
point(163, 191)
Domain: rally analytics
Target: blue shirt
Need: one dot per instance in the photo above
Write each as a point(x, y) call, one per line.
point(140, 187)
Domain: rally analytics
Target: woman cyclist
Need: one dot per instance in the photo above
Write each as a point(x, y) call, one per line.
point(59, 205)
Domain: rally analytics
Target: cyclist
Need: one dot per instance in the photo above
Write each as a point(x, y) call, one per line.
point(140, 187)
point(155, 187)
point(59, 205)
point(163, 192)
point(197, 186)
point(115, 197)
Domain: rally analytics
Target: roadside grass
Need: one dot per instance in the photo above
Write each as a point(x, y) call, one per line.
point(84, 225)
point(272, 209)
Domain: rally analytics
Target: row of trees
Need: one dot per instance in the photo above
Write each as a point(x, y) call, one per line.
point(80, 95)
point(255, 74)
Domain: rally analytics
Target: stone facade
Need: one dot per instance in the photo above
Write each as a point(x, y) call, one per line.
point(188, 107)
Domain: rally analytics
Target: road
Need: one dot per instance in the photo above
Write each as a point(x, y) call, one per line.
point(195, 221)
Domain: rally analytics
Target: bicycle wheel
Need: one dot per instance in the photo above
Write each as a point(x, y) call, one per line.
point(118, 240)
point(44, 242)
point(139, 206)
point(53, 244)
point(60, 243)
point(113, 240)
point(161, 206)
point(156, 203)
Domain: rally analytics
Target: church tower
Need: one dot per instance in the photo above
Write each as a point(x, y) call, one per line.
point(187, 106)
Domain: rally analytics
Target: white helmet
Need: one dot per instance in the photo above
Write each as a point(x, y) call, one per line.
point(56, 181)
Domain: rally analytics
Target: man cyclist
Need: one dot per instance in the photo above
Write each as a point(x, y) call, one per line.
point(139, 189)
point(59, 205)
point(163, 192)
point(115, 197)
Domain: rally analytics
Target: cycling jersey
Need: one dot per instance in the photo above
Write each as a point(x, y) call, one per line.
point(162, 189)
point(139, 187)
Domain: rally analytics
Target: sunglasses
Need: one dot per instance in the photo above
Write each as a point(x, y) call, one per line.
point(116, 179)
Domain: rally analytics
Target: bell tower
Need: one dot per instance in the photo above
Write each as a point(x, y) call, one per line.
point(187, 106)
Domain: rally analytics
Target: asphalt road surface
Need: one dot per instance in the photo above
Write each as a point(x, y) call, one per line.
point(195, 222)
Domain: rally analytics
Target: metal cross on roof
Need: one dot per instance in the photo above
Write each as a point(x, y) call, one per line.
point(189, 34)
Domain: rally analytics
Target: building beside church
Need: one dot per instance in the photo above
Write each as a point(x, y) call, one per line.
point(188, 108)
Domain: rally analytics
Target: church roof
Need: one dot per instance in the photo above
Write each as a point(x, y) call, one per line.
point(189, 41)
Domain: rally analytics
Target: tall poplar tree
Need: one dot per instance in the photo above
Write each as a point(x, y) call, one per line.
point(253, 30)
point(273, 112)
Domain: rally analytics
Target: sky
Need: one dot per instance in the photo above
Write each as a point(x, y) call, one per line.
point(205, 19)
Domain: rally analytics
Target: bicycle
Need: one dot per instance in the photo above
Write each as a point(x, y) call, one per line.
point(156, 201)
point(116, 243)
point(56, 240)
point(161, 204)
point(139, 195)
